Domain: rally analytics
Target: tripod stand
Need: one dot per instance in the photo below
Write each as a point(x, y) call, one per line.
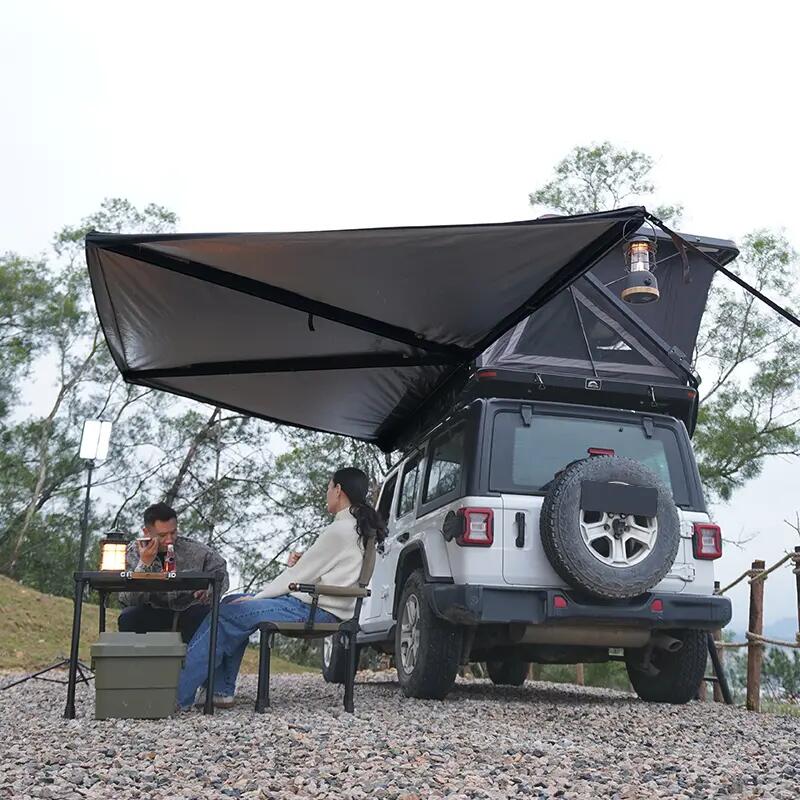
point(82, 668)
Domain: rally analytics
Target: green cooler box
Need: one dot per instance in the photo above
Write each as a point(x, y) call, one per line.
point(136, 674)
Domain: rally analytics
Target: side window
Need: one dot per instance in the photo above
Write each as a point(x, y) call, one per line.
point(447, 458)
point(385, 502)
point(408, 487)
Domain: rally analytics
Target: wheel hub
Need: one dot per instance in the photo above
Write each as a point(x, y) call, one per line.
point(618, 540)
point(409, 634)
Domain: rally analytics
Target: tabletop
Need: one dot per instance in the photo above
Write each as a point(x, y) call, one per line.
point(147, 582)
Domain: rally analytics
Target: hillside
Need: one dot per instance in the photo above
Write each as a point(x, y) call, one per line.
point(35, 630)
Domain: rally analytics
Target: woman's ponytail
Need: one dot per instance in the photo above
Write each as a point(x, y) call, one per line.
point(355, 485)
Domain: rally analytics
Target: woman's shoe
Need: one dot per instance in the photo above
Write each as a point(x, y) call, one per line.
point(219, 700)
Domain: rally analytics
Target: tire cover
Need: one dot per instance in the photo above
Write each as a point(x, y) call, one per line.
point(560, 530)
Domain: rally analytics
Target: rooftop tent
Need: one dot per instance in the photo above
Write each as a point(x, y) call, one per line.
point(587, 331)
point(349, 332)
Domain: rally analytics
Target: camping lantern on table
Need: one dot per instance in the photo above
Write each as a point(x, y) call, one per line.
point(113, 550)
point(640, 284)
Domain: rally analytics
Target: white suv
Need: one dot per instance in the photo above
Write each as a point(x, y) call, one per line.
point(541, 532)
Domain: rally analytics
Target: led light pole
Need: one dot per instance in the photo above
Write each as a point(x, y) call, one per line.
point(95, 439)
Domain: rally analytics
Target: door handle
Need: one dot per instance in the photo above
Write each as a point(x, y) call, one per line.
point(403, 537)
point(520, 519)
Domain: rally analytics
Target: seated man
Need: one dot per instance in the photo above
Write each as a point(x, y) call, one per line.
point(155, 611)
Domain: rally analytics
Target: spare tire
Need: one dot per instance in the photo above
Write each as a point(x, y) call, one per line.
point(608, 555)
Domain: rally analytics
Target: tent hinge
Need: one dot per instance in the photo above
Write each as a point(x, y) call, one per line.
point(679, 357)
point(527, 415)
point(652, 393)
point(647, 424)
point(537, 379)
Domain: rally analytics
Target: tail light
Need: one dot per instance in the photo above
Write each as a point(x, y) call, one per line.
point(600, 451)
point(707, 541)
point(478, 529)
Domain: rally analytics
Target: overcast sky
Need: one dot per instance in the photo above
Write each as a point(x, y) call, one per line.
point(290, 116)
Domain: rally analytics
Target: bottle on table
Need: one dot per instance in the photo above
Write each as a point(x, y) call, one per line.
point(169, 559)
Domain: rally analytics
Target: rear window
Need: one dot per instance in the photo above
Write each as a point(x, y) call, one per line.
point(526, 458)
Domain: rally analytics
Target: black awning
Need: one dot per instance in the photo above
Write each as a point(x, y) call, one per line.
point(341, 331)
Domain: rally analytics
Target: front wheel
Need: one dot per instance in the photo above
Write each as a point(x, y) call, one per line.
point(427, 649)
point(669, 677)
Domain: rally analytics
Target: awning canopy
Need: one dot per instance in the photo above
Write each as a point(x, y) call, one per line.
point(348, 332)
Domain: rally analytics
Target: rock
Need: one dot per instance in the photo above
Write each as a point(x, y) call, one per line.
point(540, 740)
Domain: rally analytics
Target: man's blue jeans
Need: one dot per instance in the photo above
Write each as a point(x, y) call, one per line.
point(237, 621)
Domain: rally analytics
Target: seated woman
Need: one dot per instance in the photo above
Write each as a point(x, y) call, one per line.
point(335, 558)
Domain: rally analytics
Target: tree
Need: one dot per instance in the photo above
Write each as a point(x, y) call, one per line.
point(24, 292)
point(781, 673)
point(748, 406)
point(42, 479)
point(600, 177)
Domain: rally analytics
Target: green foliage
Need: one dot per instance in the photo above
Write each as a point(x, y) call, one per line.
point(599, 177)
point(606, 674)
point(751, 362)
point(24, 296)
point(781, 674)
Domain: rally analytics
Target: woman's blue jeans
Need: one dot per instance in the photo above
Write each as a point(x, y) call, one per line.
point(237, 621)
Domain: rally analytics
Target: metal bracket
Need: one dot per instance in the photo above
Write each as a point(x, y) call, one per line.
point(683, 572)
point(527, 415)
point(647, 424)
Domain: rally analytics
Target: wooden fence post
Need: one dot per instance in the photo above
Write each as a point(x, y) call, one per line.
point(755, 650)
point(797, 582)
point(580, 675)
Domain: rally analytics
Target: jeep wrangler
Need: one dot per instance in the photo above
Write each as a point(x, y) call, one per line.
point(523, 531)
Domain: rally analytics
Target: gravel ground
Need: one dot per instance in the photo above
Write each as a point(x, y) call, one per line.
point(540, 740)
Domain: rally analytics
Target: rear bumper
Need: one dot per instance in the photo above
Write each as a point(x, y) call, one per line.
point(483, 605)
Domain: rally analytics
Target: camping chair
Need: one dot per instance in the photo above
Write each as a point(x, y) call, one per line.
point(311, 630)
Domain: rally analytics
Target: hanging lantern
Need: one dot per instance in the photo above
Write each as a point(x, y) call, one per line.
point(640, 285)
point(113, 551)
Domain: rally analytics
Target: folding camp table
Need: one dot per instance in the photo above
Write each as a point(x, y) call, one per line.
point(107, 582)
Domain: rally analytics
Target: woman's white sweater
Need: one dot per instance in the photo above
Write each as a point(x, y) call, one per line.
point(335, 558)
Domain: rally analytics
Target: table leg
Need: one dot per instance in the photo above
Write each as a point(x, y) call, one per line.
point(69, 710)
point(103, 598)
point(212, 646)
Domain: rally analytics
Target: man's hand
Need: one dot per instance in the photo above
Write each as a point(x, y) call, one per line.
point(203, 595)
point(293, 558)
point(147, 550)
